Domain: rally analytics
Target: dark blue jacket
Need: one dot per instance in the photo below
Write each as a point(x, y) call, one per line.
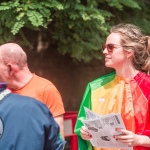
point(27, 124)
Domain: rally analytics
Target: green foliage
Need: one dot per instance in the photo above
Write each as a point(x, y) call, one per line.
point(120, 4)
point(77, 27)
point(33, 14)
point(17, 26)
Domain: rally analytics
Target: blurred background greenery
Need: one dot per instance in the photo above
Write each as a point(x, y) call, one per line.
point(74, 27)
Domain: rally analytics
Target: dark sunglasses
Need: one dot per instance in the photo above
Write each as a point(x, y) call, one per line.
point(110, 47)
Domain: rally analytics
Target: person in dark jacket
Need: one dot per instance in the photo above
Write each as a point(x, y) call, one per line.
point(26, 124)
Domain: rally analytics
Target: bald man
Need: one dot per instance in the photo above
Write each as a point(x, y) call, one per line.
point(15, 72)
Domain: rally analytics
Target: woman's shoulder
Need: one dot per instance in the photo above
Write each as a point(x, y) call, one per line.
point(143, 79)
point(102, 80)
point(142, 76)
point(107, 77)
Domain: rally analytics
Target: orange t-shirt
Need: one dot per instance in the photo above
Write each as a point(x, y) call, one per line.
point(45, 91)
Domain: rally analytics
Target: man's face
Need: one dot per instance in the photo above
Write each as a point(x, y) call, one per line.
point(4, 71)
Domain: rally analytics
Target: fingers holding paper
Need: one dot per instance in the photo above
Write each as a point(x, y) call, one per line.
point(85, 134)
point(127, 137)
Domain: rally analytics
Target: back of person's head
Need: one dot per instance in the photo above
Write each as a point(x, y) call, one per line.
point(13, 53)
point(132, 39)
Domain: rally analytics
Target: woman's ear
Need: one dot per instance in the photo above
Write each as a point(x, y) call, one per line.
point(129, 54)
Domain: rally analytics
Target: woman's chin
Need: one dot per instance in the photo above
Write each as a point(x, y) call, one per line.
point(108, 65)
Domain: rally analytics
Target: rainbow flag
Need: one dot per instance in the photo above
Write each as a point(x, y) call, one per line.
point(112, 94)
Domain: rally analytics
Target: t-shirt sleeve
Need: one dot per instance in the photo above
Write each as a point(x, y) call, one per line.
point(52, 98)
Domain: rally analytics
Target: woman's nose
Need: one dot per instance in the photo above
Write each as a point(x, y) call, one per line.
point(105, 51)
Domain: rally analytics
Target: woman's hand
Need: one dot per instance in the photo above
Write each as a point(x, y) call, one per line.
point(85, 134)
point(127, 137)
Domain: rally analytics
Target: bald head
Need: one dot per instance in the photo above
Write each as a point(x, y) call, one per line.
point(11, 52)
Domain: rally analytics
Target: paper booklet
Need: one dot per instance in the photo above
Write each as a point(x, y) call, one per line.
point(102, 129)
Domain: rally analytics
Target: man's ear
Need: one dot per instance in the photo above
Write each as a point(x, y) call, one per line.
point(10, 68)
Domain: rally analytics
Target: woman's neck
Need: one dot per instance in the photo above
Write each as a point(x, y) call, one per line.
point(129, 72)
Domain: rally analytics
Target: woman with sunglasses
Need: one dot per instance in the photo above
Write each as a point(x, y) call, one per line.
point(125, 91)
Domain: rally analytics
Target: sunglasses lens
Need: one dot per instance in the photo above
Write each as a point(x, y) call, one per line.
point(110, 47)
point(103, 46)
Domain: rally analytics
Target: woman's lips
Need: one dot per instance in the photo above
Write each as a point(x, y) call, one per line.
point(107, 58)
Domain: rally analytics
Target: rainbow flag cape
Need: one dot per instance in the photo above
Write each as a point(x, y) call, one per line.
point(111, 93)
